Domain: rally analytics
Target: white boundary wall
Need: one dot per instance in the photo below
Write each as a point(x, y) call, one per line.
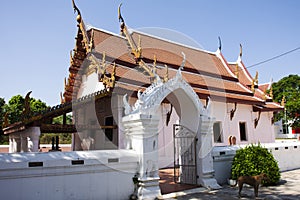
point(287, 154)
point(68, 175)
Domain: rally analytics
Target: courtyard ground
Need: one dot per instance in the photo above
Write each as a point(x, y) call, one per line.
point(287, 189)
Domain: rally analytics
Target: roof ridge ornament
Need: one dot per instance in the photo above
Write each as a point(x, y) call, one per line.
point(240, 54)
point(220, 43)
point(241, 50)
point(181, 66)
point(136, 50)
point(87, 43)
point(271, 89)
point(26, 110)
point(254, 82)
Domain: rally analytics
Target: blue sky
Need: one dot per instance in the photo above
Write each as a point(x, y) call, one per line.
point(37, 36)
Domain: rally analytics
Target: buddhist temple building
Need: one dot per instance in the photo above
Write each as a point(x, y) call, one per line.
point(105, 66)
point(133, 90)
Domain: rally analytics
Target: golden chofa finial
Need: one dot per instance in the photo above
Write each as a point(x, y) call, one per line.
point(220, 43)
point(122, 25)
point(241, 50)
point(76, 10)
point(119, 14)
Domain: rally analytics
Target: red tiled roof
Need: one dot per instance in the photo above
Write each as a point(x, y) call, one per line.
point(208, 74)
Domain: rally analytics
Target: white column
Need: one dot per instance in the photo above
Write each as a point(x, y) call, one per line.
point(117, 110)
point(33, 134)
point(24, 142)
point(14, 143)
point(142, 131)
point(204, 158)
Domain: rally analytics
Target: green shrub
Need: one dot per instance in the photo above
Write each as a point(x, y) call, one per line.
point(254, 160)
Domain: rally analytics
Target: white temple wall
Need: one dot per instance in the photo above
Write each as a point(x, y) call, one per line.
point(286, 154)
point(264, 132)
point(68, 175)
point(89, 85)
point(165, 136)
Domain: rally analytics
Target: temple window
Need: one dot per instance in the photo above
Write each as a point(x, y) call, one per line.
point(243, 131)
point(218, 133)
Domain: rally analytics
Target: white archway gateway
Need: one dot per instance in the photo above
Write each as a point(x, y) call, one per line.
point(141, 128)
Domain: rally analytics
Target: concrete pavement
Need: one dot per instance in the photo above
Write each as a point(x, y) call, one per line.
point(287, 189)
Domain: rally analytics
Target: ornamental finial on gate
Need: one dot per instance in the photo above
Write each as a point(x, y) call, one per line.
point(181, 66)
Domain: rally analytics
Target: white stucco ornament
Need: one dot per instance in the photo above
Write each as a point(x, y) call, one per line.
point(149, 100)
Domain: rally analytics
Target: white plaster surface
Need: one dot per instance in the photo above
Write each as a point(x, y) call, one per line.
point(104, 175)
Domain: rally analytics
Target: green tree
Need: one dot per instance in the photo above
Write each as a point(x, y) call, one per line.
point(15, 107)
point(3, 138)
point(288, 88)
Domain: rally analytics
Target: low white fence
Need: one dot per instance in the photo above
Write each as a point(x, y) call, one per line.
point(286, 154)
point(68, 175)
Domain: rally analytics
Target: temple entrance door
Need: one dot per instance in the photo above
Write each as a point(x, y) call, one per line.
point(185, 165)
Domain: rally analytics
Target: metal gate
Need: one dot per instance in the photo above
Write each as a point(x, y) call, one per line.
point(185, 166)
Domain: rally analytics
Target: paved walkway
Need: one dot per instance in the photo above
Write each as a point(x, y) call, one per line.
point(287, 189)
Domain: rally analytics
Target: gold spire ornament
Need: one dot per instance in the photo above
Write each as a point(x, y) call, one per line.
point(86, 41)
point(271, 92)
point(241, 50)
point(136, 51)
point(220, 43)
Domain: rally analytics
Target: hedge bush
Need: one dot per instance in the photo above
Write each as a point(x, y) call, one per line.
point(254, 160)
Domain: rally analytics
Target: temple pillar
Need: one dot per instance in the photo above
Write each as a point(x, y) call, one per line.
point(24, 142)
point(14, 143)
point(118, 110)
point(204, 158)
point(142, 132)
point(33, 135)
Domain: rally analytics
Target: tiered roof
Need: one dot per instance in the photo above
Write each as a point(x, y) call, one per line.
point(128, 63)
point(207, 72)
